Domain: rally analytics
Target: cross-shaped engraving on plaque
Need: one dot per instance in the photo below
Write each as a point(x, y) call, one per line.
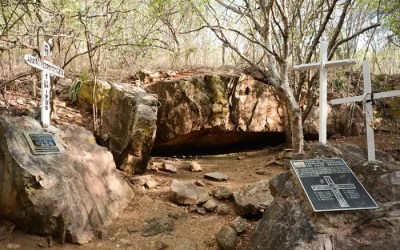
point(335, 188)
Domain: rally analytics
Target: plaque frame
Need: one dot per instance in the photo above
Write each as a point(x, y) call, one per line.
point(50, 144)
point(328, 190)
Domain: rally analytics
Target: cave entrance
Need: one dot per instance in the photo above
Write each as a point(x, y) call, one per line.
point(209, 142)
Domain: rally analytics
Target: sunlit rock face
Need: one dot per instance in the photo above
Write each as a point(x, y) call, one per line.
point(72, 194)
point(216, 110)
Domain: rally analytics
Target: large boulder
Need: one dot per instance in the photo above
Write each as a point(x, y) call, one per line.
point(73, 193)
point(198, 109)
point(290, 223)
point(129, 122)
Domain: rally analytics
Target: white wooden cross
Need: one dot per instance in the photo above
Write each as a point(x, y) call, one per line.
point(47, 69)
point(323, 65)
point(368, 98)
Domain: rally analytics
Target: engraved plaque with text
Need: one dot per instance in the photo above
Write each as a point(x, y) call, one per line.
point(330, 185)
point(42, 143)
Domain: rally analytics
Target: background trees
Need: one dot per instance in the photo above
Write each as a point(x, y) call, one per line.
point(99, 36)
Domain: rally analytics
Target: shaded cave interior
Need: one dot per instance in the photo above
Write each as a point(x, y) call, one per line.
point(212, 142)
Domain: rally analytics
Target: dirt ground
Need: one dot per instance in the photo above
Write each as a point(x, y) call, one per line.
point(242, 168)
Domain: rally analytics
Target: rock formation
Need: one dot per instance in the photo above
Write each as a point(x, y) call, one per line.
point(290, 223)
point(129, 122)
point(70, 195)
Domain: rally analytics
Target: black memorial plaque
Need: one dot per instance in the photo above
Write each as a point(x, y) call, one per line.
point(330, 185)
point(42, 143)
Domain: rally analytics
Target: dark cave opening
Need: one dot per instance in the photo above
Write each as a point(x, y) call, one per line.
point(217, 142)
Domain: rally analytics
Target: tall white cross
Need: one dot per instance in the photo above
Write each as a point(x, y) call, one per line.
point(323, 65)
point(47, 69)
point(368, 98)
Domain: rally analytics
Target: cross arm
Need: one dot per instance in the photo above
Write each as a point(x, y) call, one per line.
point(339, 63)
point(358, 98)
point(308, 66)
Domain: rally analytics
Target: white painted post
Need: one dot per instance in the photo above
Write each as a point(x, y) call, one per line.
point(369, 112)
point(45, 99)
point(47, 69)
point(46, 89)
point(323, 92)
point(323, 66)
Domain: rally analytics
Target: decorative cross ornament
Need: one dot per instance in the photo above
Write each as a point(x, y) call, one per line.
point(47, 69)
point(368, 99)
point(323, 65)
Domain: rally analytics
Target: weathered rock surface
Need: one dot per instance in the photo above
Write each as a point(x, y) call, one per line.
point(253, 198)
point(227, 238)
point(187, 193)
point(290, 223)
point(129, 122)
point(208, 112)
point(282, 226)
point(222, 193)
point(157, 225)
point(75, 192)
point(195, 110)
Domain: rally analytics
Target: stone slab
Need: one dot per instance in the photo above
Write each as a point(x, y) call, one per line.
point(216, 176)
point(330, 185)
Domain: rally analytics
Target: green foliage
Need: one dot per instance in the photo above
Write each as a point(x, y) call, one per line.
point(339, 83)
point(77, 85)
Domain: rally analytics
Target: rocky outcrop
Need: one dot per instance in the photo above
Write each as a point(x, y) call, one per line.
point(129, 122)
point(212, 111)
point(198, 109)
point(70, 194)
point(290, 223)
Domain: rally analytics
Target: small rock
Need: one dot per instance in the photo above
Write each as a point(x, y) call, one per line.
point(2, 103)
point(168, 167)
point(253, 198)
point(200, 183)
point(177, 215)
point(195, 166)
point(261, 172)
point(157, 225)
point(159, 245)
point(286, 154)
point(187, 193)
point(210, 205)
point(222, 192)
point(145, 180)
point(223, 209)
point(275, 162)
point(133, 229)
point(227, 238)
point(239, 224)
point(242, 157)
point(41, 244)
point(13, 246)
point(125, 242)
point(216, 176)
point(185, 244)
point(201, 210)
point(20, 102)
